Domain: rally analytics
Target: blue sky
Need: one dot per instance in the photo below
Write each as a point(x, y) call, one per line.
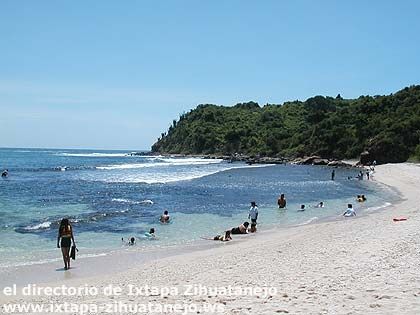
point(113, 74)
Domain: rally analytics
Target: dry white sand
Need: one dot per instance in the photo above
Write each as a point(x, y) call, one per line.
point(363, 265)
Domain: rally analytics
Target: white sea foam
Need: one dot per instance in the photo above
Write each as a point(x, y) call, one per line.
point(386, 204)
point(95, 154)
point(41, 226)
point(163, 162)
point(162, 178)
point(191, 161)
point(308, 221)
point(142, 202)
point(129, 166)
point(49, 260)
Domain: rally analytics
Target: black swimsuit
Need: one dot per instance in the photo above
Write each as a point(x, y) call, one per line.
point(65, 242)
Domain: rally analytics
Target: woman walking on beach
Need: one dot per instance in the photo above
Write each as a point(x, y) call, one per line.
point(65, 233)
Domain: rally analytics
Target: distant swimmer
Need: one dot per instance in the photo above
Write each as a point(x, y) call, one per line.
point(151, 234)
point(281, 202)
point(320, 205)
point(224, 238)
point(361, 198)
point(302, 208)
point(333, 175)
point(253, 215)
point(242, 229)
point(5, 173)
point(131, 241)
point(350, 211)
point(164, 218)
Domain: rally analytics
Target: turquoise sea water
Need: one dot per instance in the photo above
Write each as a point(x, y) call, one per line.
point(109, 195)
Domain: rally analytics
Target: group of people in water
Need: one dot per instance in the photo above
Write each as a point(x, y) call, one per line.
point(281, 202)
point(66, 237)
point(151, 235)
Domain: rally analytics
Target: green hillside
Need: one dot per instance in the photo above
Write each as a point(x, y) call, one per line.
point(387, 126)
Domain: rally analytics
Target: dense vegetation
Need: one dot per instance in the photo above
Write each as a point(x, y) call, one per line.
point(386, 126)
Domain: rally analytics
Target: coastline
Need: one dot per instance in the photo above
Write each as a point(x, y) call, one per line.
point(255, 159)
point(98, 261)
point(353, 265)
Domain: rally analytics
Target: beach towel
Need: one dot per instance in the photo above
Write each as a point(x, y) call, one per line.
point(73, 252)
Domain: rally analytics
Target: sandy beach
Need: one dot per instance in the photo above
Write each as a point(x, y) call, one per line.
point(363, 265)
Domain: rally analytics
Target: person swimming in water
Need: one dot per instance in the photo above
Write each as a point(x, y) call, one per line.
point(65, 234)
point(281, 202)
point(165, 218)
point(361, 198)
point(131, 241)
point(302, 208)
point(5, 173)
point(320, 205)
point(150, 234)
point(350, 211)
point(242, 229)
point(224, 238)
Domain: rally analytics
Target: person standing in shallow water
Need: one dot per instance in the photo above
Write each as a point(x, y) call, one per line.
point(65, 233)
point(253, 215)
point(164, 218)
point(281, 202)
point(332, 174)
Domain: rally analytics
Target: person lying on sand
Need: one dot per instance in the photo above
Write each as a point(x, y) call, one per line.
point(242, 229)
point(224, 238)
point(164, 218)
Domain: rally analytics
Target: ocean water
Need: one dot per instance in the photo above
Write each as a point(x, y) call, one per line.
point(109, 195)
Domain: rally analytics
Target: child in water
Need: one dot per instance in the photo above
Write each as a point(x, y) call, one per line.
point(150, 234)
point(131, 241)
point(350, 211)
